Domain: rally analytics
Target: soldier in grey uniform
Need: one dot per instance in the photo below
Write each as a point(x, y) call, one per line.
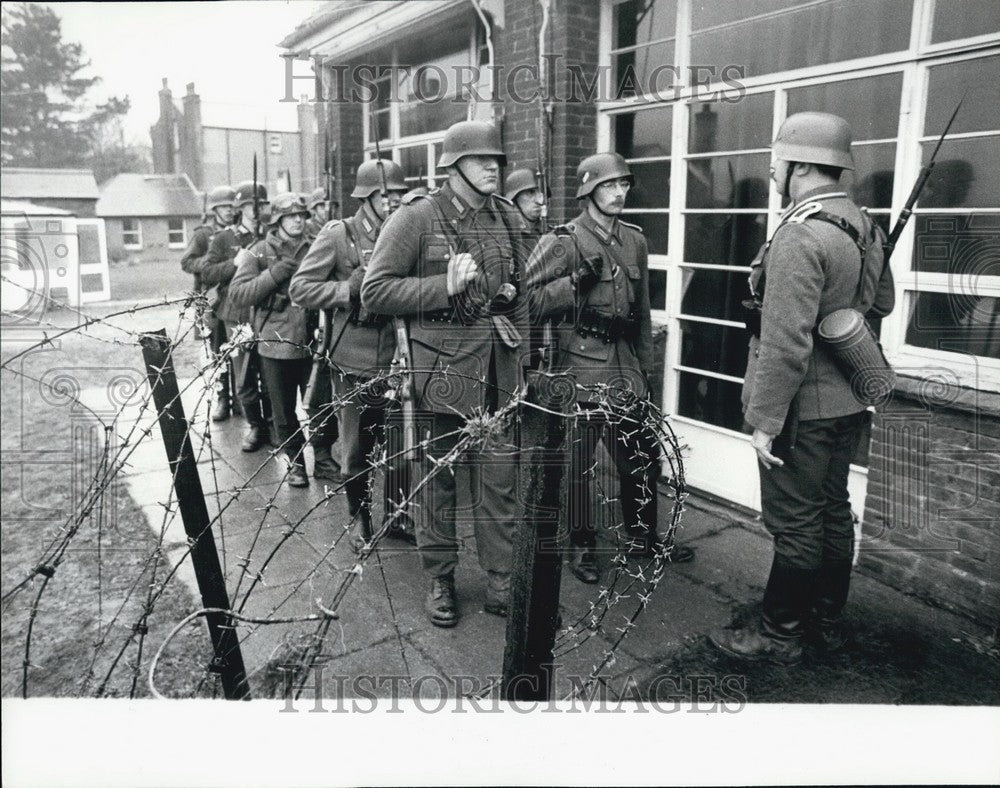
point(220, 203)
point(363, 343)
point(521, 188)
point(318, 213)
point(283, 330)
point(449, 263)
point(217, 268)
point(825, 255)
point(591, 279)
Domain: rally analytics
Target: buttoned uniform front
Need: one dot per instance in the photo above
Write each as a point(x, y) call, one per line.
point(461, 356)
point(792, 387)
point(362, 347)
point(216, 269)
point(602, 364)
point(282, 330)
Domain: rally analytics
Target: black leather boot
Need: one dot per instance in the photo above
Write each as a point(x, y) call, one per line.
point(441, 604)
point(359, 506)
point(777, 637)
point(832, 587)
point(325, 465)
point(583, 564)
point(222, 410)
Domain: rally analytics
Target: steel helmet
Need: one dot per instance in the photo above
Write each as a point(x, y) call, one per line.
point(220, 196)
point(471, 138)
point(518, 181)
point(815, 138)
point(599, 168)
point(368, 180)
point(287, 204)
point(317, 196)
point(244, 194)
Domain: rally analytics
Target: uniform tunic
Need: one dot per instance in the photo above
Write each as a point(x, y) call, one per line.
point(461, 357)
point(622, 293)
point(794, 390)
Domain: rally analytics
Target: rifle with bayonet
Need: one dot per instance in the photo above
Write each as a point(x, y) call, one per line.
point(918, 186)
point(547, 351)
point(252, 349)
point(402, 363)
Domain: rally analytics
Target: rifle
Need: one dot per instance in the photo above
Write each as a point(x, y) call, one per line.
point(319, 358)
point(547, 352)
point(925, 173)
point(256, 203)
point(403, 362)
point(328, 175)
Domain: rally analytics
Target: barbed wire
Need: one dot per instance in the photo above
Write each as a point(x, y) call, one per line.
point(627, 587)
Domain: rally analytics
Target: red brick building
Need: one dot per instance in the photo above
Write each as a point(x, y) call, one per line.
point(692, 93)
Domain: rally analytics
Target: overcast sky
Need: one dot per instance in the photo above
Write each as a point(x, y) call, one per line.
point(228, 49)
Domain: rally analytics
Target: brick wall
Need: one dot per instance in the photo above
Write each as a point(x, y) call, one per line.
point(346, 123)
point(574, 35)
point(932, 516)
point(155, 247)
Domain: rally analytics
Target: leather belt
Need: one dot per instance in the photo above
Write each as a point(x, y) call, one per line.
point(608, 328)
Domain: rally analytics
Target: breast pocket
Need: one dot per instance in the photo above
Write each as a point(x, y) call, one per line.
point(632, 277)
point(435, 252)
point(603, 293)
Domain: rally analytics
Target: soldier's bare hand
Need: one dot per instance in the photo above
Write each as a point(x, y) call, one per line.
point(761, 443)
point(462, 269)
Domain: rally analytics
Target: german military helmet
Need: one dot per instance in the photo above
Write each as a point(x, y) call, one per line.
point(599, 168)
point(287, 204)
point(220, 196)
point(317, 196)
point(471, 138)
point(369, 181)
point(518, 181)
point(244, 194)
point(815, 138)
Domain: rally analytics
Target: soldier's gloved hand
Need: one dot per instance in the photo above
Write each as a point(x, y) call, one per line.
point(462, 269)
point(587, 273)
point(354, 284)
point(283, 269)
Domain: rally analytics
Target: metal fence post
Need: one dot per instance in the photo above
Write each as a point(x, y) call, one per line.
point(535, 576)
point(227, 659)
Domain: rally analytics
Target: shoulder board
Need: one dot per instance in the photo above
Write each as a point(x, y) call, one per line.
point(803, 212)
point(564, 229)
point(413, 198)
point(635, 227)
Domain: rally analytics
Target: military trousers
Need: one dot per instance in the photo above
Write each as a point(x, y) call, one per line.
point(366, 420)
point(323, 417)
point(285, 380)
point(481, 486)
point(804, 503)
point(635, 454)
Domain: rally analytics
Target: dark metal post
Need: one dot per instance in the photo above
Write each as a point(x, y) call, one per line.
point(228, 659)
point(534, 595)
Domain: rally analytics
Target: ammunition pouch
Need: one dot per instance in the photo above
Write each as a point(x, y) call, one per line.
point(362, 318)
point(608, 328)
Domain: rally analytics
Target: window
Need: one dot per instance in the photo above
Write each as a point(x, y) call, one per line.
point(951, 292)
point(411, 115)
point(131, 234)
point(176, 235)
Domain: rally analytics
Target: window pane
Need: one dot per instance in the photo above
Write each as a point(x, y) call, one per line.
point(956, 322)
point(413, 161)
point(871, 182)
point(742, 125)
point(980, 110)
point(871, 105)
point(652, 185)
point(953, 244)
point(657, 289)
point(809, 36)
point(644, 133)
point(655, 227)
point(641, 21)
point(645, 70)
point(712, 14)
point(966, 174)
point(710, 399)
point(717, 348)
point(964, 19)
point(729, 181)
point(724, 239)
point(717, 294)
